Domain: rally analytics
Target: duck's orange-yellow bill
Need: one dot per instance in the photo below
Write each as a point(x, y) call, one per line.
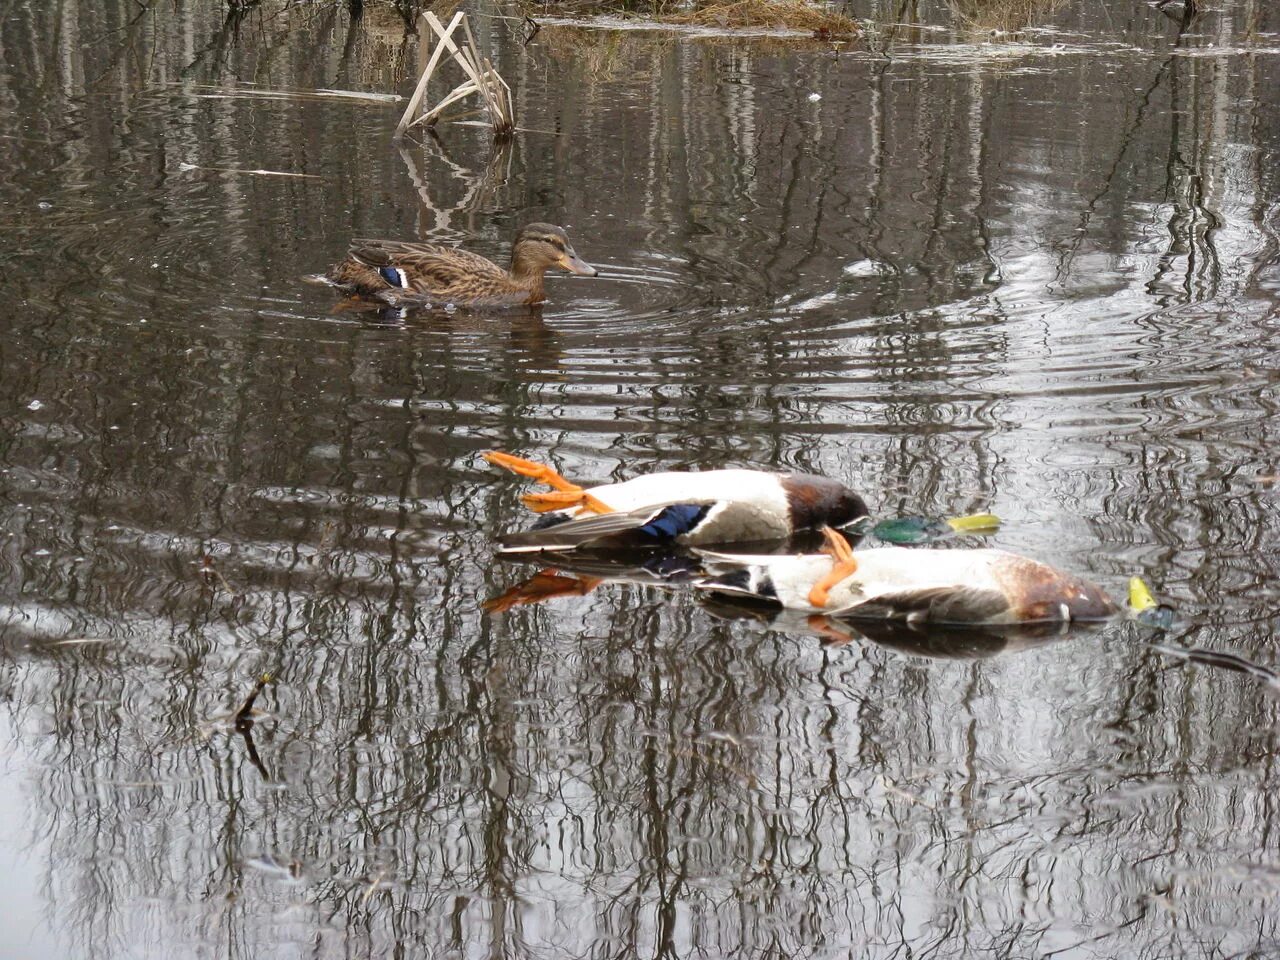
point(1140, 596)
point(541, 587)
point(975, 523)
point(575, 264)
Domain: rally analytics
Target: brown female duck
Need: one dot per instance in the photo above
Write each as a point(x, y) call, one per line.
point(422, 273)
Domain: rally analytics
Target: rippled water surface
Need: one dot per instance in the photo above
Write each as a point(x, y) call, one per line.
point(1037, 274)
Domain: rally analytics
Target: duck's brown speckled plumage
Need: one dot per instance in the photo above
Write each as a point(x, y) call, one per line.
point(433, 273)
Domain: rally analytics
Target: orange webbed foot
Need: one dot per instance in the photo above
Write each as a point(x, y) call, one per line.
point(565, 500)
point(844, 565)
point(528, 468)
point(831, 634)
point(350, 303)
point(540, 587)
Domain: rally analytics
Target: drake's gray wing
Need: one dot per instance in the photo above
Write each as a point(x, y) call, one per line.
point(958, 604)
point(623, 528)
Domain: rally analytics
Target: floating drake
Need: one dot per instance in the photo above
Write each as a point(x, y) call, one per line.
point(422, 273)
point(676, 507)
point(979, 587)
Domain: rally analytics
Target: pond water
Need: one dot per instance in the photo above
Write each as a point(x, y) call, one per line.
point(1037, 274)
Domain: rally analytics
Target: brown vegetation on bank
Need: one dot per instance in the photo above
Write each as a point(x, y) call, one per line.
point(1005, 16)
point(795, 16)
point(767, 14)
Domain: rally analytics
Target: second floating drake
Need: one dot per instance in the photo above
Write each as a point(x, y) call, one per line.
point(409, 274)
point(919, 586)
point(677, 507)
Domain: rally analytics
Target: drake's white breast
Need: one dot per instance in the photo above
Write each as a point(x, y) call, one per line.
point(889, 570)
point(881, 572)
point(755, 489)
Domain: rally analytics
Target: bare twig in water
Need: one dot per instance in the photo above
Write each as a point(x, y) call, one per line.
point(241, 720)
point(251, 747)
point(244, 718)
point(246, 714)
point(209, 570)
point(1227, 661)
point(482, 79)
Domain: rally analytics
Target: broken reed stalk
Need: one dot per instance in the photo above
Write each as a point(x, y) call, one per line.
point(481, 78)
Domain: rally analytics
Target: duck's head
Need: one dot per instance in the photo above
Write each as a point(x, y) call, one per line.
point(541, 246)
point(816, 502)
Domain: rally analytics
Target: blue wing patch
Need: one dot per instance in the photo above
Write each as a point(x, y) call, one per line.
point(675, 520)
point(392, 276)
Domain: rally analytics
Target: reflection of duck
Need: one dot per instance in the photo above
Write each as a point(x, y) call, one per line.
point(576, 576)
point(657, 509)
point(918, 586)
point(423, 273)
point(936, 642)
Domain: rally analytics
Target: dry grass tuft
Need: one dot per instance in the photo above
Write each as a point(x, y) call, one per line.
point(769, 14)
point(1005, 16)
